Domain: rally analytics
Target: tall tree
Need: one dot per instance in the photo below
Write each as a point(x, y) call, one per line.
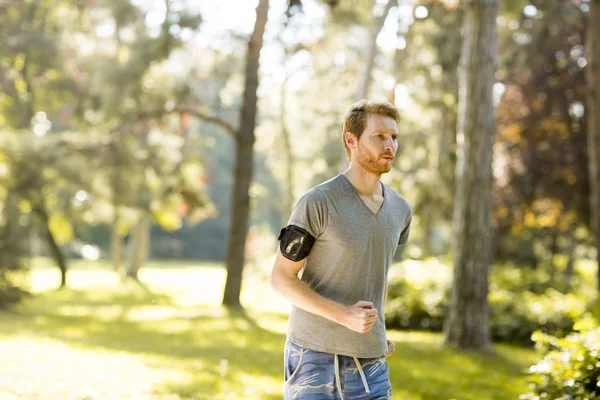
point(593, 118)
point(288, 51)
point(240, 200)
point(467, 320)
point(370, 52)
point(138, 246)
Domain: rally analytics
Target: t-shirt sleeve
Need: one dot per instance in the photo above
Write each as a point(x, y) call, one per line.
point(406, 231)
point(310, 213)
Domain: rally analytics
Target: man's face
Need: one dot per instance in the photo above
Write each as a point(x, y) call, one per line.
point(376, 147)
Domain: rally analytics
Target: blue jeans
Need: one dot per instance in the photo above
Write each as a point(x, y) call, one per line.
point(313, 375)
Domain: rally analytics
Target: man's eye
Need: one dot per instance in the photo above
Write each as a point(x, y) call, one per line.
point(380, 136)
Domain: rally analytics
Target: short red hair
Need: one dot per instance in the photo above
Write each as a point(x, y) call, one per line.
point(355, 119)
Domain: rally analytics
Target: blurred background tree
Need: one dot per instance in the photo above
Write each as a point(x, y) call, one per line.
point(467, 322)
point(592, 37)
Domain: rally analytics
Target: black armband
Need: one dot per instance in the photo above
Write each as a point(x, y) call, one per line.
point(295, 243)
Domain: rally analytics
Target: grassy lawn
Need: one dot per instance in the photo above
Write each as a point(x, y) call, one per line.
point(104, 339)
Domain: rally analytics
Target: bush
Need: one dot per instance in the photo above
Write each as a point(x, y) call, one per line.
point(10, 294)
point(521, 302)
point(570, 369)
point(416, 307)
point(516, 316)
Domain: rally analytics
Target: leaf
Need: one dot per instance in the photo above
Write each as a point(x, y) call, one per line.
point(61, 228)
point(585, 324)
point(168, 219)
point(25, 206)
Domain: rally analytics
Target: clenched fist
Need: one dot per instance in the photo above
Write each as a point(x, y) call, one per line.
point(360, 317)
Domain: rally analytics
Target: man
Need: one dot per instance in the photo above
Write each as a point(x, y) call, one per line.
point(342, 237)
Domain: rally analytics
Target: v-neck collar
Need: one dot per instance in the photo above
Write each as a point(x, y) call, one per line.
point(361, 200)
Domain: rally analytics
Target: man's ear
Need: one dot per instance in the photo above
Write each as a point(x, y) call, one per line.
point(350, 140)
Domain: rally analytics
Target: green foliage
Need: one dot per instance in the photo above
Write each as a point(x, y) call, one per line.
point(570, 368)
point(47, 175)
point(351, 12)
point(95, 69)
point(542, 188)
point(32, 73)
point(521, 301)
point(416, 306)
point(515, 316)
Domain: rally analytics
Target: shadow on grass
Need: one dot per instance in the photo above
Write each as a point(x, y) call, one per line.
point(212, 350)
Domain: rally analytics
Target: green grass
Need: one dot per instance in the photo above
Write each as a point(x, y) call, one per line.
point(104, 339)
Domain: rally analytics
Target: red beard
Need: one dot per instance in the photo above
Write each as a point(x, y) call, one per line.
point(372, 163)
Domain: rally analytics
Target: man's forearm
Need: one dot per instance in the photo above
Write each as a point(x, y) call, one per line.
point(299, 294)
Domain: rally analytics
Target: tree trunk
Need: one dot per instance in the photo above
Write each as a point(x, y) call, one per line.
point(138, 249)
point(289, 156)
point(116, 247)
point(55, 250)
point(427, 233)
point(570, 268)
point(592, 74)
point(399, 59)
point(467, 321)
point(554, 250)
point(447, 150)
point(240, 200)
point(370, 52)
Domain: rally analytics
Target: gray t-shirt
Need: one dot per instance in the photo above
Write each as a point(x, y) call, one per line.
point(349, 262)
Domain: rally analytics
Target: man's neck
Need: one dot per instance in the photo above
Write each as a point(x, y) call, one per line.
point(365, 183)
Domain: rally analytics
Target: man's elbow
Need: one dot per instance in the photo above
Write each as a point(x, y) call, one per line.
point(276, 279)
point(281, 279)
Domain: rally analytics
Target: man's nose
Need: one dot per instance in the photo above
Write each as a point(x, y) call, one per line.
point(390, 145)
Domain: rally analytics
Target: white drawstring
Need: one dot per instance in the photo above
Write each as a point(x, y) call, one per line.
point(337, 375)
point(298, 367)
point(362, 375)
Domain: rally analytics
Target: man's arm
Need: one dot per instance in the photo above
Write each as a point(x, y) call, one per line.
point(359, 317)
